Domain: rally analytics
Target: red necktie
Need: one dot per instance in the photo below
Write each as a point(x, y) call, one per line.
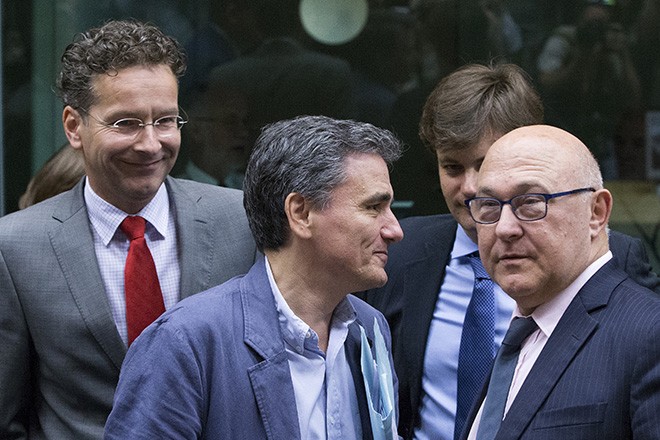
point(144, 300)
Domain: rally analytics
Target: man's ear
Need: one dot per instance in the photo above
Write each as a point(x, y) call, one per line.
point(601, 209)
point(297, 209)
point(72, 123)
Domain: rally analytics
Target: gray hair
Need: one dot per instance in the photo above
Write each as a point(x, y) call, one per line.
point(587, 168)
point(305, 155)
point(106, 50)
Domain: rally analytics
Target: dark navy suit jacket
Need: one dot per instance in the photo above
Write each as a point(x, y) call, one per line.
point(598, 376)
point(416, 270)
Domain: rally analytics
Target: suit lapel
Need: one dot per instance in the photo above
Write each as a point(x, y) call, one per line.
point(273, 392)
point(196, 241)
point(270, 378)
point(423, 278)
point(80, 268)
point(571, 333)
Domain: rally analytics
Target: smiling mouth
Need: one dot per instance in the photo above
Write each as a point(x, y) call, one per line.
point(144, 164)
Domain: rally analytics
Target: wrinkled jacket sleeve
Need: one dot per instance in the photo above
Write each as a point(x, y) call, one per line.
point(15, 361)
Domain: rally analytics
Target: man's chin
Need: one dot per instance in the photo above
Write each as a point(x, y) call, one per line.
point(376, 281)
point(515, 285)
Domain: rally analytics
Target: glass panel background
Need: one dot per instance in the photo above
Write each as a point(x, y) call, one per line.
point(393, 63)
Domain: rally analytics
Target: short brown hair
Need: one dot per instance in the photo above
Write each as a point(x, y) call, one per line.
point(477, 99)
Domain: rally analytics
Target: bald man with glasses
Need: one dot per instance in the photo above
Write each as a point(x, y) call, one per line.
point(581, 358)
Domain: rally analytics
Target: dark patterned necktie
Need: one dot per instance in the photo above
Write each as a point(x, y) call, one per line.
point(477, 342)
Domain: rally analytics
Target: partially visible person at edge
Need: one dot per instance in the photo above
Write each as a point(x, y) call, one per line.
point(276, 353)
point(431, 279)
point(60, 173)
point(65, 314)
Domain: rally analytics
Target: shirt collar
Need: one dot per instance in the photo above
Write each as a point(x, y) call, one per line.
point(297, 334)
point(105, 217)
point(463, 245)
point(547, 315)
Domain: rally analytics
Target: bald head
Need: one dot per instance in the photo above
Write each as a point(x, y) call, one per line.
point(555, 153)
point(545, 169)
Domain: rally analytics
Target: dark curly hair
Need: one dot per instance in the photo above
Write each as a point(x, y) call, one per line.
point(106, 50)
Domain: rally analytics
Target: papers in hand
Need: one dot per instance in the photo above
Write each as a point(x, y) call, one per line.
point(378, 382)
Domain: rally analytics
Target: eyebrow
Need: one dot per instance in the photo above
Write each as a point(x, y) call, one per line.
point(521, 188)
point(121, 114)
point(379, 197)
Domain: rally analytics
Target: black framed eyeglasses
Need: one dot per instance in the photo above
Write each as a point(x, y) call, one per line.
point(526, 207)
point(164, 126)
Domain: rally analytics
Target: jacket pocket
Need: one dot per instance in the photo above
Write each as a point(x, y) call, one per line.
point(570, 416)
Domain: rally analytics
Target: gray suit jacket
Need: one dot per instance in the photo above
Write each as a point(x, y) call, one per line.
point(60, 349)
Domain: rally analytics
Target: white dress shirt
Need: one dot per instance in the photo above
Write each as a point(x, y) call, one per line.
point(111, 247)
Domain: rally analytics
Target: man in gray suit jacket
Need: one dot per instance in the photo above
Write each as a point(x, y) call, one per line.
point(63, 325)
point(590, 365)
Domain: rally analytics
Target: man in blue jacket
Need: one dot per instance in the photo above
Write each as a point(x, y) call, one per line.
point(276, 353)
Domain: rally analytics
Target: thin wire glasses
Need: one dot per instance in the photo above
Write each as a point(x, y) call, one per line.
point(164, 126)
point(526, 207)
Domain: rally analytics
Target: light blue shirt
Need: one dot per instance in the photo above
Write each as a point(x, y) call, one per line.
point(111, 247)
point(322, 382)
point(439, 380)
